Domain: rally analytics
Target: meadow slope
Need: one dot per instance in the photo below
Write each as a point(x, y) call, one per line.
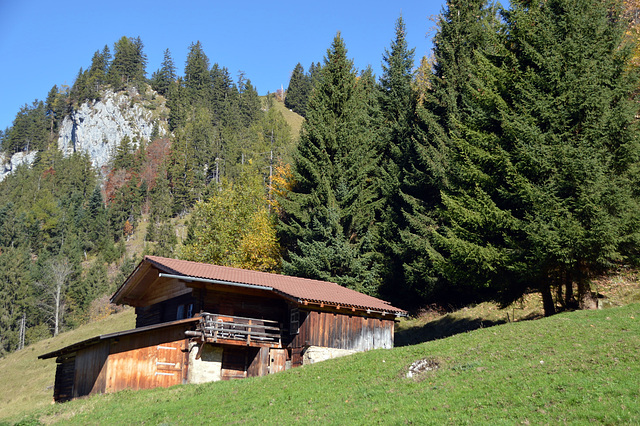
point(574, 367)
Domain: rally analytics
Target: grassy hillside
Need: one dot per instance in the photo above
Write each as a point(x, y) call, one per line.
point(574, 367)
point(26, 383)
point(294, 120)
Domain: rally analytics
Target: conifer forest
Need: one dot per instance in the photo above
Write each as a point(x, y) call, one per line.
point(505, 163)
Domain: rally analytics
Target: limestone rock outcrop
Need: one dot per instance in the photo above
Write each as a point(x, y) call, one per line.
point(16, 160)
point(98, 127)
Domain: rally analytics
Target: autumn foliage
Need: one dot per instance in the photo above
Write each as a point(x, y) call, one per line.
point(234, 228)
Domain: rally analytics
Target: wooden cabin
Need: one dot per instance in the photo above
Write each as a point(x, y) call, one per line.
point(198, 322)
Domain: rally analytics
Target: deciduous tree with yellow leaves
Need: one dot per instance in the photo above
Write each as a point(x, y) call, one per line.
point(234, 228)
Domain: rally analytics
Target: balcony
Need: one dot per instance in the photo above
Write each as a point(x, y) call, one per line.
point(227, 329)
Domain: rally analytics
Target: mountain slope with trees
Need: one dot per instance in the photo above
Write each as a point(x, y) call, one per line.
point(506, 164)
point(65, 226)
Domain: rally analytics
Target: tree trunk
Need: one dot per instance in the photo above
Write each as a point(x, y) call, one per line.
point(547, 299)
point(585, 297)
point(559, 295)
point(569, 300)
point(56, 319)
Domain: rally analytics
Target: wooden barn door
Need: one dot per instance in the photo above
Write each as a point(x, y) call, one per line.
point(277, 360)
point(169, 364)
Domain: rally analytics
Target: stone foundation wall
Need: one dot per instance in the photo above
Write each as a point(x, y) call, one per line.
point(206, 369)
point(317, 353)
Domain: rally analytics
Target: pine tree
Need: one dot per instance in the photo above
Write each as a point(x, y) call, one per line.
point(331, 207)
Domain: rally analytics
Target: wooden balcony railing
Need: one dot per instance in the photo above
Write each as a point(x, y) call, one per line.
point(217, 328)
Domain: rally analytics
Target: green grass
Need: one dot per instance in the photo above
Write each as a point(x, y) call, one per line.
point(293, 120)
point(26, 383)
point(575, 367)
point(618, 288)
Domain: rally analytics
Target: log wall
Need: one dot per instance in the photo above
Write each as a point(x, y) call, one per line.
point(245, 304)
point(165, 311)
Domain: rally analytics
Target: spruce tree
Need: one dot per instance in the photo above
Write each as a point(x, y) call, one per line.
point(162, 79)
point(55, 109)
point(129, 63)
point(465, 30)
point(330, 215)
point(224, 97)
point(540, 152)
point(177, 102)
point(97, 75)
point(397, 103)
point(197, 79)
point(572, 133)
point(29, 131)
point(96, 219)
point(298, 91)
point(80, 91)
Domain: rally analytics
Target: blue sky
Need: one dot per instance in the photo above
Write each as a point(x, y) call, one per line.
point(43, 43)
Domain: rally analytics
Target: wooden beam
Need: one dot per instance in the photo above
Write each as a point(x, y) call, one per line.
point(128, 287)
point(147, 283)
point(253, 344)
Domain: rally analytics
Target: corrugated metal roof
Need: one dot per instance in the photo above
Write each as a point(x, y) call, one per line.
point(302, 289)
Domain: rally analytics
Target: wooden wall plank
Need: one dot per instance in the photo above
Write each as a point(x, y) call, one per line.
point(277, 360)
point(343, 331)
point(133, 362)
point(63, 385)
point(259, 363)
point(89, 376)
point(163, 289)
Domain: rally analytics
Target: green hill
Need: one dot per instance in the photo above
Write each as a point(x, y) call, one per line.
point(293, 120)
point(575, 367)
point(26, 383)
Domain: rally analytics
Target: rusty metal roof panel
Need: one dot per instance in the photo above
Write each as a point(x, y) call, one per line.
point(92, 340)
point(302, 289)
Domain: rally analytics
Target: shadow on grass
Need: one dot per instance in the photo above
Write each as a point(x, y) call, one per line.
point(440, 328)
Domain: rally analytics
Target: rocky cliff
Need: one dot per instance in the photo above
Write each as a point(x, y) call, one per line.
point(18, 159)
point(98, 127)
